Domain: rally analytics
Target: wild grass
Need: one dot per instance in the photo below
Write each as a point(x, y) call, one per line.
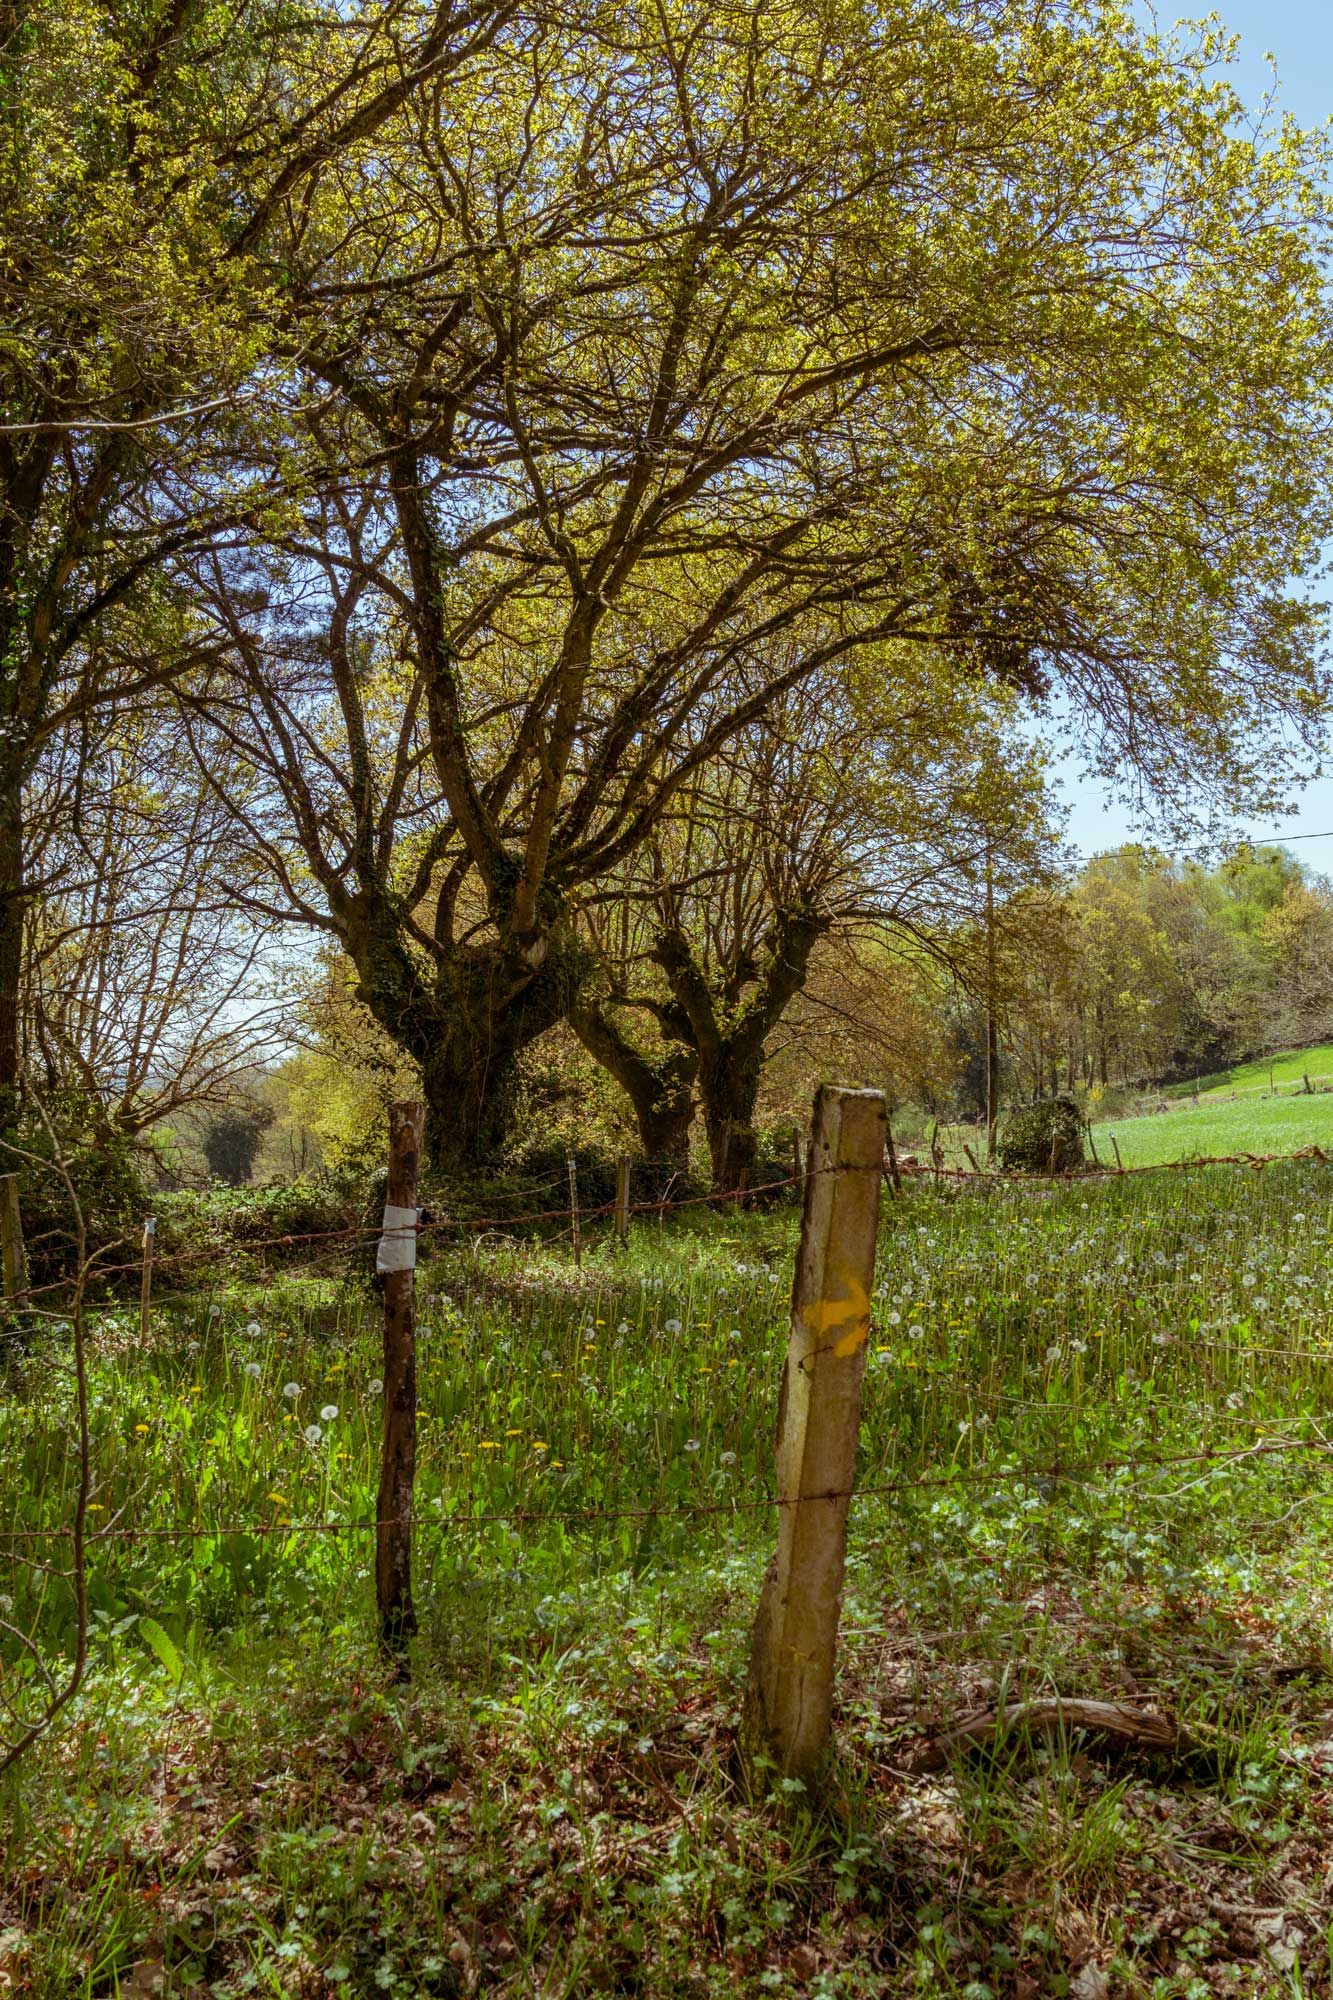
point(552, 1807)
point(1218, 1126)
point(1285, 1071)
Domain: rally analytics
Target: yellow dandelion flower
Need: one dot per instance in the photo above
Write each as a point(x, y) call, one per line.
point(280, 1499)
point(489, 1444)
point(513, 1434)
point(141, 1428)
point(537, 1445)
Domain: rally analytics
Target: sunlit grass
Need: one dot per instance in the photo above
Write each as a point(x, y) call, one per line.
point(1047, 1370)
point(1016, 1329)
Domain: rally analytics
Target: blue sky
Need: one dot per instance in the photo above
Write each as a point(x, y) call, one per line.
point(1298, 34)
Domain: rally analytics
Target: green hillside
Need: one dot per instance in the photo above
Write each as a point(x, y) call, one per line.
point(1288, 1071)
point(1249, 1125)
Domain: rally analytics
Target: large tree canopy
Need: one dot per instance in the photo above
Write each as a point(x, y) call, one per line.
point(150, 158)
point(680, 330)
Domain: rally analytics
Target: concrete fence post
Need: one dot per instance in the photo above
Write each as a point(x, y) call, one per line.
point(789, 1695)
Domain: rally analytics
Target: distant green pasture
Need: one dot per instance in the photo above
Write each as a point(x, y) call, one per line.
point(1243, 1125)
point(1290, 1068)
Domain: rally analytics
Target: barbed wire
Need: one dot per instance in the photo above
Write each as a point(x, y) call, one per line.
point(1267, 1445)
point(354, 1235)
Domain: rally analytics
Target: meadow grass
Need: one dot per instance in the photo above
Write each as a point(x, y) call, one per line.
point(1285, 1071)
point(1218, 1126)
point(246, 1802)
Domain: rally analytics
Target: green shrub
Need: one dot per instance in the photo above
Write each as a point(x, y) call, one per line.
point(1045, 1138)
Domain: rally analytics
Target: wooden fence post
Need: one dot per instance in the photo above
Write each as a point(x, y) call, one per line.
point(146, 1279)
point(398, 1460)
point(789, 1695)
point(891, 1155)
point(622, 1200)
point(1119, 1163)
point(13, 1257)
point(574, 1211)
point(797, 1159)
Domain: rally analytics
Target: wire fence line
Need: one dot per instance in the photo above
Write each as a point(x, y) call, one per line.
point(1267, 1445)
point(1142, 1470)
point(352, 1236)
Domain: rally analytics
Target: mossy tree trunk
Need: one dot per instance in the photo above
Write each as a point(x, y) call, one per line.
point(465, 1020)
point(728, 1015)
point(659, 1084)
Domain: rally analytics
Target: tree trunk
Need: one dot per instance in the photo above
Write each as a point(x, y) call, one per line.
point(660, 1087)
point(730, 1092)
point(728, 1016)
point(12, 910)
point(465, 1030)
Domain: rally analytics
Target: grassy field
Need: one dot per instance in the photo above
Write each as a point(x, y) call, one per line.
point(1288, 1071)
point(244, 1802)
point(1218, 1125)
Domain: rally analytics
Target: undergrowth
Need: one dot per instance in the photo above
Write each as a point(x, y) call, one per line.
point(245, 1802)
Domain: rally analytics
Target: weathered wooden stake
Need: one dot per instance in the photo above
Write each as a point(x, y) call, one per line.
point(398, 1460)
point(971, 1158)
point(574, 1212)
point(797, 1162)
point(1120, 1165)
point(13, 1257)
point(622, 1201)
point(789, 1696)
point(146, 1279)
point(891, 1155)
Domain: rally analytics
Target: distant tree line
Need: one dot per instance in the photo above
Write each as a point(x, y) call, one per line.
point(1148, 969)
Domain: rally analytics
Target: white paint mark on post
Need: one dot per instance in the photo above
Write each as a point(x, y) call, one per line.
point(398, 1242)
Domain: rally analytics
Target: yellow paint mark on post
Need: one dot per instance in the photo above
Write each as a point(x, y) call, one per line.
point(847, 1318)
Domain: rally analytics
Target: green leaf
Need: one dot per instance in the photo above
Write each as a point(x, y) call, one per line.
point(163, 1646)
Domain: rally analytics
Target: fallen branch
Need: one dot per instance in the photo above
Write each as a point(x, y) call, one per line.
point(1138, 1728)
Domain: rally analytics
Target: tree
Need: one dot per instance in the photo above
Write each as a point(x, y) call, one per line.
point(830, 821)
point(150, 154)
point(1298, 942)
point(1036, 405)
point(143, 986)
point(231, 1142)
